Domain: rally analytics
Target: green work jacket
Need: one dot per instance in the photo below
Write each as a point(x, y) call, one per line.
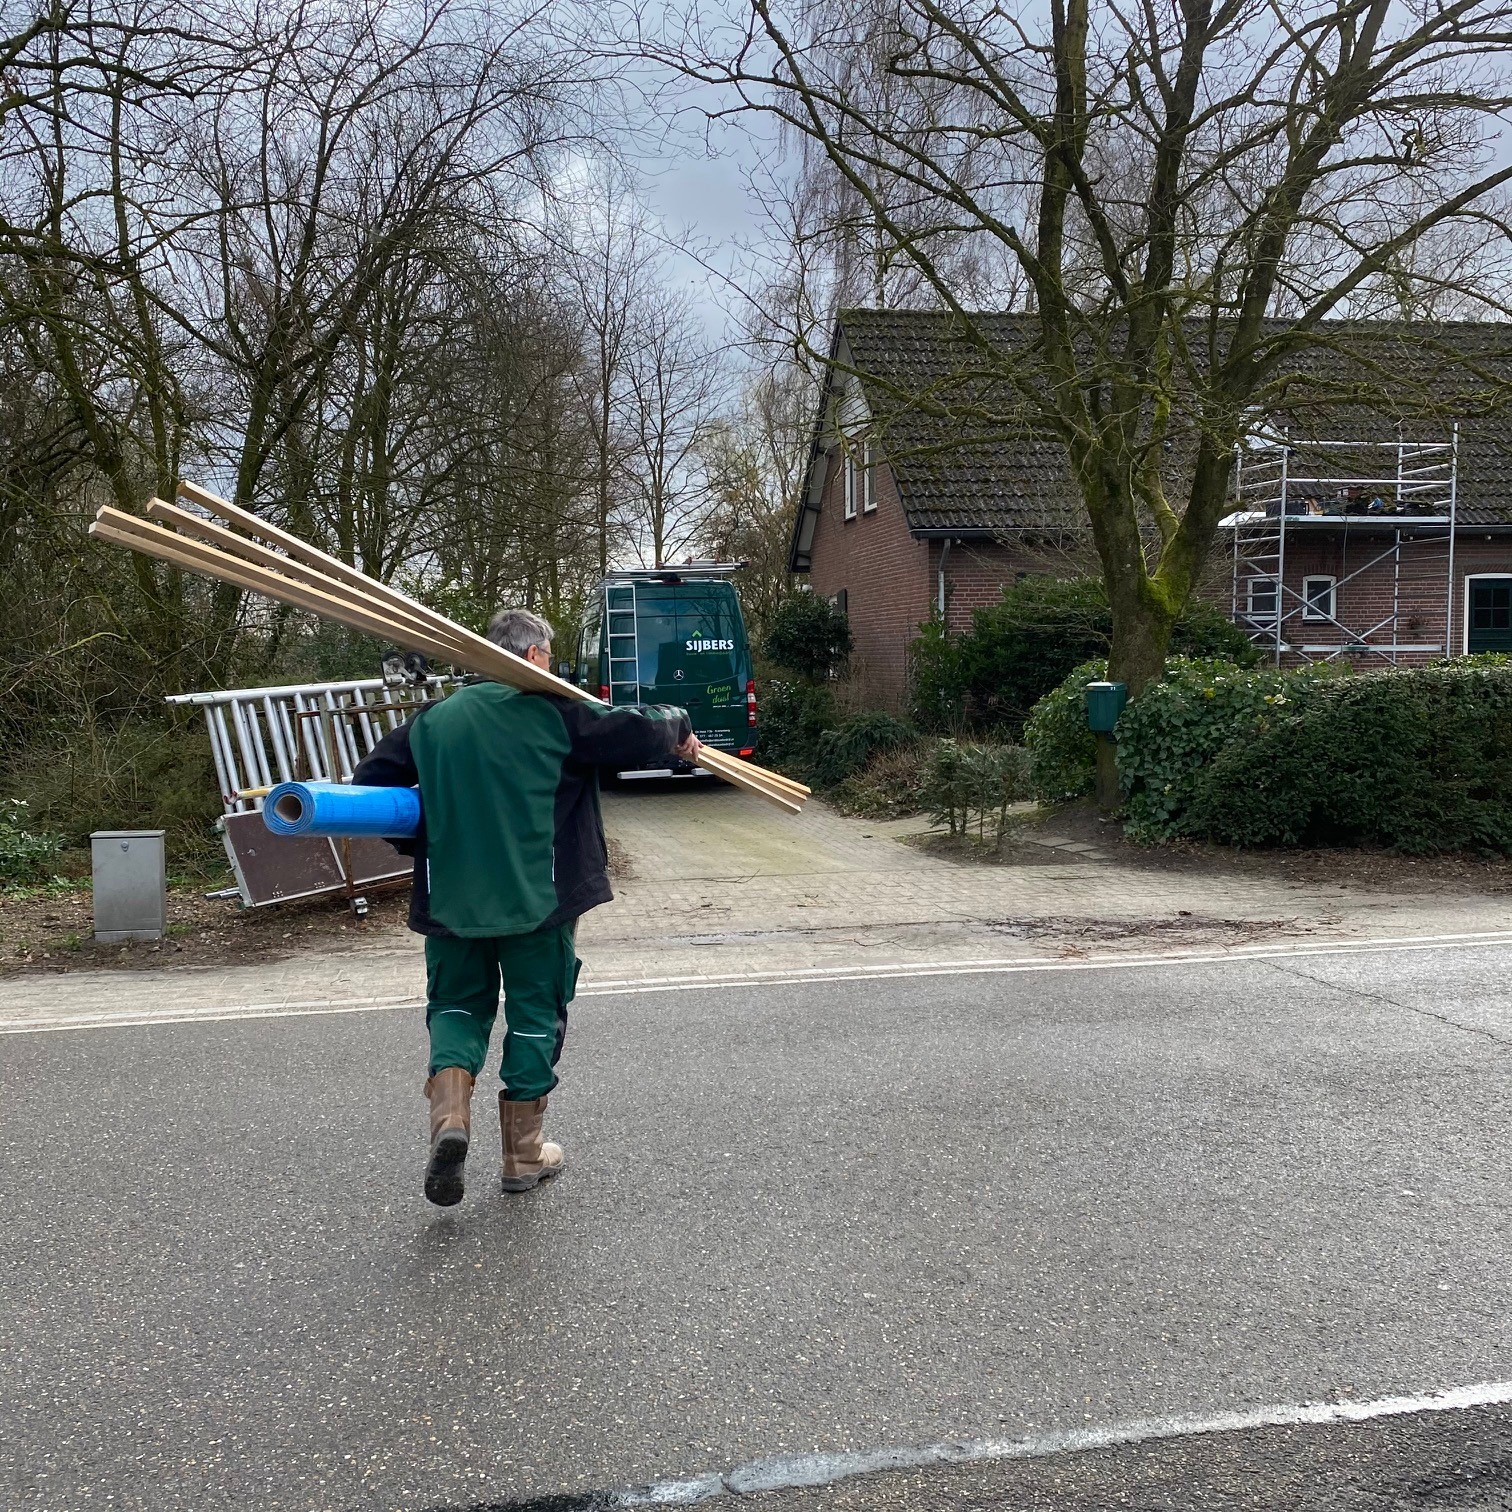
point(511, 838)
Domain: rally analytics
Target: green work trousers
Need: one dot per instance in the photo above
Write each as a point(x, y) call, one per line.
point(538, 972)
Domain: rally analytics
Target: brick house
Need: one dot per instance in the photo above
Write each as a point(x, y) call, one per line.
point(1352, 535)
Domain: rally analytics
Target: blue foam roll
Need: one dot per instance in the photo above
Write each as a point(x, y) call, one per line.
point(338, 808)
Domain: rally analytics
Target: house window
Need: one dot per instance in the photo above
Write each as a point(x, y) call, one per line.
point(851, 482)
point(868, 480)
point(841, 601)
point(1490, 617)
point(1262, 598)
point(1317, 598)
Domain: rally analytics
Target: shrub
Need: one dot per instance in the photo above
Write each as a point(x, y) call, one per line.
point(147, 773)
point(1026, 645)
point(1062, 750)
point(967, 785)
point(809, 637)
point(793, 716)
point(1418, 760)
point(24, 856)
point(936, 696)
point(1163, 737)
point(1167, 737)
point(889, 786)
point(1204, 633)
point(841, 752)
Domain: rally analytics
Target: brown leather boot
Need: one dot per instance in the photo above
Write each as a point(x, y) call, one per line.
point(527, 1161)
point(450, 1093)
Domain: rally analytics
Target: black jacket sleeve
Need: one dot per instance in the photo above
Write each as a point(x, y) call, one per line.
point(390, 764)
point(605, 737)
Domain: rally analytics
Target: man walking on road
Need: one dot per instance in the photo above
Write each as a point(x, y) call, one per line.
point(510, 853)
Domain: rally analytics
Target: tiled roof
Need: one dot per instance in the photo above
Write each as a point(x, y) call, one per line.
point(970, 454)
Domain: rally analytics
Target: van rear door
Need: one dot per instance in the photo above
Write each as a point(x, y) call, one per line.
point(692, 653)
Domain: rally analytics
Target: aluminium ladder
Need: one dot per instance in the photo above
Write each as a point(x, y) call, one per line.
point(624, 644)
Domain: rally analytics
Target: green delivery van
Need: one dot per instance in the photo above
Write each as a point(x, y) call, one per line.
point(673, 635)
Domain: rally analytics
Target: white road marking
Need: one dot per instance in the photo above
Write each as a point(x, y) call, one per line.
point(209, 1014)
point(1040, 963)
point(901, 970)
point(800, 1470)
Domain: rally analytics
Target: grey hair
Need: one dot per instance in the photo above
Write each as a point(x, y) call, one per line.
point(518, 630)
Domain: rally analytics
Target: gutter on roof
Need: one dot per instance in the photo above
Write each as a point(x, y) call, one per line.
point(967, 532)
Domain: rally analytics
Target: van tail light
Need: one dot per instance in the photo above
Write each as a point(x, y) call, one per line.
point(747, 751)
point(604, 692)
point(751, 703)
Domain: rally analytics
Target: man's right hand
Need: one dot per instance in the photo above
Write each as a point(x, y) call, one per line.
point(689, 749)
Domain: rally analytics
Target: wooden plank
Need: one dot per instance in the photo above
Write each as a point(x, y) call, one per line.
point(334, 566)
point(440, 637)
point(531, 676)
point(153, 540)
point(249, 550)
point(732, 769)
point(738, 774)
point(776, 779)
point(304, 552)
point(765, 774)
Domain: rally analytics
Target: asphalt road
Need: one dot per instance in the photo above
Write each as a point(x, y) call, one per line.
point(797, 1219)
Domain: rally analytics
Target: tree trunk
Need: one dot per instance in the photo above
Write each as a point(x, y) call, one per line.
point(1141, 636)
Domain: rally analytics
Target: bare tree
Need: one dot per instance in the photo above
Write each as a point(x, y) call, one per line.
point(363, 135)
point(246, 245)
point(608, 260)
point(516, 518)
point(753, 463)
point(674, 385)
point(1189, 190)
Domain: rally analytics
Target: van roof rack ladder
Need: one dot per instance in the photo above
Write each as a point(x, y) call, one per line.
point(624, 642)
point(674, 572)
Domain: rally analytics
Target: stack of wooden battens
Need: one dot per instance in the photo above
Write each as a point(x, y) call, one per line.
point(305, 577)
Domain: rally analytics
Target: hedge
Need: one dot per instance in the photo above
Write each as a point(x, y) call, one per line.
point(1416, 759)
point(1169, 737)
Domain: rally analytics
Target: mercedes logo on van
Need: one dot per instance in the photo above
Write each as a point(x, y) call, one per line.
point(678, 674)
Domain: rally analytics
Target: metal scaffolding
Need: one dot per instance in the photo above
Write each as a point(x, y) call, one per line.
point(1402, 517)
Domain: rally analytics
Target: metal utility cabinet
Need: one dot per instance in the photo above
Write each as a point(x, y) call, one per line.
point(130, 884)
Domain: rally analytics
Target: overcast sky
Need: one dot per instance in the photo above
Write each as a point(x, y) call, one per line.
point(694, 182)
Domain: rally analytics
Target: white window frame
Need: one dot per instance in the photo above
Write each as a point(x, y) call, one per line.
point(1262, 616)
point(1309, 611)
point(868, 485)
point(1473, 577)
point(849, 483)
